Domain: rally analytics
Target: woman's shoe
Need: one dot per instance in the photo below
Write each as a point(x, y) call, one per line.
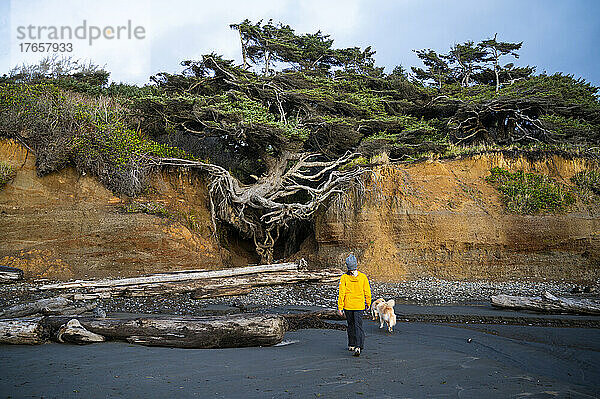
point(356, 351)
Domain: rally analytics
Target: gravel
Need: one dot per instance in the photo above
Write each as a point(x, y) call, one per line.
point(426, 291)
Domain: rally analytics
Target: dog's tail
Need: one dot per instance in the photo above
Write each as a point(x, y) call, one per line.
point(391, 303)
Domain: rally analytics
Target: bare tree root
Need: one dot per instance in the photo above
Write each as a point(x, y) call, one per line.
point(293, 189)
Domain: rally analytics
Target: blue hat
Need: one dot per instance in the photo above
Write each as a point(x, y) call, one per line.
point(351, 262)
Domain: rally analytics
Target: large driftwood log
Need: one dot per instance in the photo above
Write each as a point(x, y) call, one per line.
point(185, 331)
point(10, 274)
point(244, 284)
point(172, 277)
point(21, 331)
point(547, 303)
point(206, 284)
point(73, 332)
point(47, 306)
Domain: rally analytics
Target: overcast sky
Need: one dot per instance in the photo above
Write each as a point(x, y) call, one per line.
point(558, 36)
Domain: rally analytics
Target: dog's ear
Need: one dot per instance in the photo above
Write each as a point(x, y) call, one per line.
point(391, 303)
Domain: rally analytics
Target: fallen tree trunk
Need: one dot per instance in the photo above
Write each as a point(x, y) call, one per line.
point(21, 331)
point(206, 287)
point(185, 332)
point(10, 274)
point(48, 306)
point(245, 284)
point(547, 303)
point(172, 277)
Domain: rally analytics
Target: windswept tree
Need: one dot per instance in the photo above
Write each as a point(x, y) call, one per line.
point(508, 74)
point(437, 68)
point(276, 179)
point(495, 50)
point(266, 44)
point(468, 58)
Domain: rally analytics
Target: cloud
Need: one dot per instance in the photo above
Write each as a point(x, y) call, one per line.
point(557, 36)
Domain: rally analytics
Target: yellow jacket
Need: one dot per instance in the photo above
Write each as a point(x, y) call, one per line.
point(354, 292)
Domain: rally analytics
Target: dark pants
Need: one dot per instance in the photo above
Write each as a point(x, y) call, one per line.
point(356, 335)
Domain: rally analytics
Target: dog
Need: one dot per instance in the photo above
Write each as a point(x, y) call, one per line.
point(374, 305)
point(386, 314)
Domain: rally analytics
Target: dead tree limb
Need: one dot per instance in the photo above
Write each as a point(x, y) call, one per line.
point(547, 303)
point(186, 331)
point(21, 331)
point(47, 306)
point(10, 274)
point(172, 277)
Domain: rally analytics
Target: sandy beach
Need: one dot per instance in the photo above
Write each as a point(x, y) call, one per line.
point(417, 360)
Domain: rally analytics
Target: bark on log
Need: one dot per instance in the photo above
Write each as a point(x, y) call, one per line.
point(186, 332)
point(547, 303)
point(73, 332)
point(207, 287)
point(21, 331)
point(237, 285)
point(48, 306)
point(172, 277)
point(10, 274)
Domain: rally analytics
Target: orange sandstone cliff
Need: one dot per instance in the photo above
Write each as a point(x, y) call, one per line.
point(436, 218)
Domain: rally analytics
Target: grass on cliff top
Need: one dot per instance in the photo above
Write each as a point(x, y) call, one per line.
point(529, 193)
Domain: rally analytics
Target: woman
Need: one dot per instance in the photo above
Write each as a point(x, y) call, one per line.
point(354, 294)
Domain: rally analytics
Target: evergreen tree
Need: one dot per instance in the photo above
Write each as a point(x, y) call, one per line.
point(437, 69)
point(467, 56)
point(494, 50)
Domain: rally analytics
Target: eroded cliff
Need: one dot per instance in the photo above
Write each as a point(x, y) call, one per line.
point(64, 225)
point(443, 219)
point(436, 218)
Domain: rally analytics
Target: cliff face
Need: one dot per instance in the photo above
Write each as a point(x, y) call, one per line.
point(64, 225)
point(442, 219)
point(438, 218)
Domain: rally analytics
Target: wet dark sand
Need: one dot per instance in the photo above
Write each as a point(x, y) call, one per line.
point(418, 360)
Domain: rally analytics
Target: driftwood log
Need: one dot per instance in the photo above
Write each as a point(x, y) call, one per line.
point(10, 274)
point(204, 284)
point(244, 284)
point(185, 331)
point(172, 277)
point(22, 331)
point(547, 303)
point(47, 306)
point(74, 333)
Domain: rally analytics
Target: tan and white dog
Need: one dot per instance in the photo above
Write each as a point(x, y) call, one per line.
point(386, 314)
point(374, 305)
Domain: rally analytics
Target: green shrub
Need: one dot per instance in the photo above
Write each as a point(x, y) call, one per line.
point(149, 208)
point(7, 173)
point(528, 193)
point(89, 132)
point(588, 184)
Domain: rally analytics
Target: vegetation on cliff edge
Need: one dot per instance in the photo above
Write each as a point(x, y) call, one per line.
point(297, 121)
